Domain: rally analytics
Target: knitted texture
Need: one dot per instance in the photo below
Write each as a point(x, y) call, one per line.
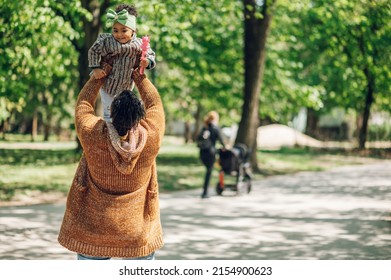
point(112, 207)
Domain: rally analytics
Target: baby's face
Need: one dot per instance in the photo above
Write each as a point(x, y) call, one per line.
point(121, 33)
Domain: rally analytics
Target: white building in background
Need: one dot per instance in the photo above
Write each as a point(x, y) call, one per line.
point(337, 118)
point(380, 118)
point(299, 122)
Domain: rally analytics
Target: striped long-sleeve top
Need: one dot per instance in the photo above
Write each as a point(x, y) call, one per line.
point(124, 57)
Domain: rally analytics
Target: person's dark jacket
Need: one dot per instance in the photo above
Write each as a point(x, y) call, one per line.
point(208, 156)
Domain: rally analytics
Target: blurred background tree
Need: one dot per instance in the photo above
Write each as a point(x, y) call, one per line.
point(341, 51)
point(254, 61)
point(37, 67)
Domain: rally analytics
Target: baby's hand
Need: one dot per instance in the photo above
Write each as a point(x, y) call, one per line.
point(98, 73)
point(144, 62)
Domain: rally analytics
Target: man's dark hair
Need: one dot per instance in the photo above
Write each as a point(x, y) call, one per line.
point(127, 111)
point(130, 8)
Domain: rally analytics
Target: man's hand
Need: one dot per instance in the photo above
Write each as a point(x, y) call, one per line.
point(98, 73)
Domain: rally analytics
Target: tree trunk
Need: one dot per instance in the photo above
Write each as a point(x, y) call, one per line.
point(91, 30)
point(255, 35)
point(362, 136)
point(370, 87)
point(34, 126)
point(187, 132)
point(47, 126)
point(312, 123)
point(47, 118)
point(4, 128)
point(198, 121)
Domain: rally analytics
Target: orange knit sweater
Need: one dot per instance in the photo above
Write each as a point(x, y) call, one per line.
point(112, 207)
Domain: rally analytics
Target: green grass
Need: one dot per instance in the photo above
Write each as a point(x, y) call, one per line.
point(11, 137)
point(293, 160)
point(178, 165)
point(24, 170)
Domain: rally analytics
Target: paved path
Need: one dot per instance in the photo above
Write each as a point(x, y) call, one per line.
point(339, 214)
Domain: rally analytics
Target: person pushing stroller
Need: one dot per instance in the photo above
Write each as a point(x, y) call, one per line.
point(206, 141)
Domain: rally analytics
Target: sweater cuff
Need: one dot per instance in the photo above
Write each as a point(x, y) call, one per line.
point(137, 77)
point(149, 64)
point(106, 67)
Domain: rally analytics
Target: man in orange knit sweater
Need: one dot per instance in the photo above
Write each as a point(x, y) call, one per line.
point(112, 207)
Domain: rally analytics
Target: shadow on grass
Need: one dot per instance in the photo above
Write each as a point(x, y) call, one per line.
point(8, 192)
point(177, 160)
point(25, 170)
point(55, 157)
point(305, 151)
point(38, 157)
point(178, 167)
point(53, 170)
point(378, 153)
point(179, 171)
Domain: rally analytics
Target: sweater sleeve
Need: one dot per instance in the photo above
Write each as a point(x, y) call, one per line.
point(152, 102)
point(151, 57)
point(85, 117)
point(97, 51)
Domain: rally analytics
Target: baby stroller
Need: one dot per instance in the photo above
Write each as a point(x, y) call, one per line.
point(235, 162)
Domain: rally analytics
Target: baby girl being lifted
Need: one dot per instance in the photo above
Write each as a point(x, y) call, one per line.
point(123, 49)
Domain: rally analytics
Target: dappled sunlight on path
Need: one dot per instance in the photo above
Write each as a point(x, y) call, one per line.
point(30, 232)
point(339, 214)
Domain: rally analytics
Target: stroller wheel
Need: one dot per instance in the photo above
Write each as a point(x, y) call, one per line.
point(247, 183)
point(248, 186)
point(219, 189)
point(244, 187)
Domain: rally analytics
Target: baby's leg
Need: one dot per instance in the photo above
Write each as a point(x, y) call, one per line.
point(132, 84)
point(106, 99)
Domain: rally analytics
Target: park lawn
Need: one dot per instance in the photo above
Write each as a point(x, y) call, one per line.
point(178, 165)
point(293, 160)
point(26, 170)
